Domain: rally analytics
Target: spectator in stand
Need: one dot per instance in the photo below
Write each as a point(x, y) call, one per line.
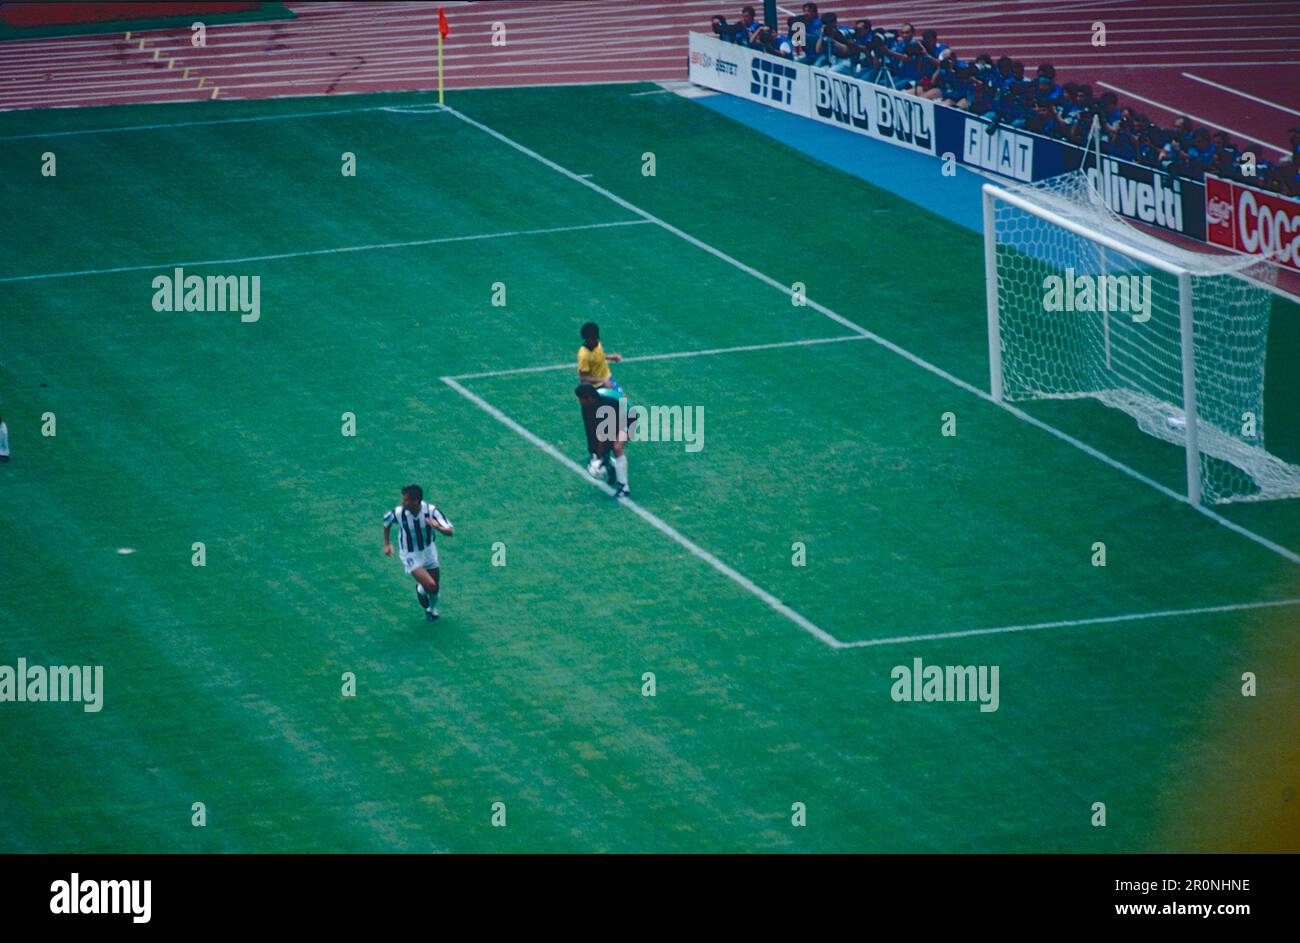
point(1149, 140)
point(785, 42)
point(1000, 93)
point(1004, 77)
point(1018, 73)
point(1123, 142)
point(1014, 107)
point(1200, 156)
point(954, 85)
point(1225, 165)
point(983, 93)
point(1288, 169)
point(1080, 102)
point(1074, 109)
point(1223, 145)
point(812, 25)
point(1045, 87)
point(1043, 119)
point(1108, 108)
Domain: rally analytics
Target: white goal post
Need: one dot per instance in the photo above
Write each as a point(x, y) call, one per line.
point(1083, 304)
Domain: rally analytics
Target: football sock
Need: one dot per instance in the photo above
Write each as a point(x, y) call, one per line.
point(421, 595)
point(433, 600)
point(620, 469)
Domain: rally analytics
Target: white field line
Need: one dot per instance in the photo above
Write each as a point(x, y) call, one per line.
point(1219, 519)
point(1196, 118)
point(653, 520)
point(673, 356)
point(1237, 91)
point(310, 252)
point(188, 124)
point(1068, 623)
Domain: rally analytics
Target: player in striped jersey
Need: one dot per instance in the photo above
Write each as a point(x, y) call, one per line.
point(416, 521)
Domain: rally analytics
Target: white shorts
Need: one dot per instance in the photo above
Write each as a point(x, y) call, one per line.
point(427, 558)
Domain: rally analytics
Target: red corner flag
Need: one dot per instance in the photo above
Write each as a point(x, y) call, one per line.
point(443, 30)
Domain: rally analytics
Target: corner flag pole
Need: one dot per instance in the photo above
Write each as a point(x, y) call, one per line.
point(442, 34)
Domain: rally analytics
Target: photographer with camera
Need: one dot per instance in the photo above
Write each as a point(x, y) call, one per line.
point(742, 33)
point(832, 49)
point(931, 55)
point(954, 85)
point(899, 58)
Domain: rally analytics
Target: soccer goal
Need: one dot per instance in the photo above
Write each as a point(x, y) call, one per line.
point(1083, 304)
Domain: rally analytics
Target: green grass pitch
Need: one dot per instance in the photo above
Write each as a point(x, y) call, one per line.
point(222, 682)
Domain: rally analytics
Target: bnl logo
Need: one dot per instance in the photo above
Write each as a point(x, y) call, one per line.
point(772, 81)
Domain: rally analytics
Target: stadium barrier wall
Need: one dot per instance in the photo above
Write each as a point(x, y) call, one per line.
point(1241, 218)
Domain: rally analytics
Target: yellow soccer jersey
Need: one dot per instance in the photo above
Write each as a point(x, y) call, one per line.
point(592, 363)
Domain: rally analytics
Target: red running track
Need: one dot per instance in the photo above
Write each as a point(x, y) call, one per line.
point(1234, 66)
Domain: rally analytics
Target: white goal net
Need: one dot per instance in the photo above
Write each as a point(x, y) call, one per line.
point(1083, 304)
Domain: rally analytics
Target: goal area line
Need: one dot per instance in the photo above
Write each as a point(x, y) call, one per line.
point(745, 582)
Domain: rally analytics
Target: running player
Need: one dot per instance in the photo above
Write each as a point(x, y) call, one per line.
point(593, 370)
point(416, 520)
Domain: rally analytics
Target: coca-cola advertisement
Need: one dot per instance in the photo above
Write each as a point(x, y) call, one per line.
point(1252, 221)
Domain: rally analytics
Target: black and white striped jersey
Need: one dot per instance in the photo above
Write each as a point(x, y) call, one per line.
point(413, 533)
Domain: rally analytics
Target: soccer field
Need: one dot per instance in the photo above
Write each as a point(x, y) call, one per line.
point(1119, 684)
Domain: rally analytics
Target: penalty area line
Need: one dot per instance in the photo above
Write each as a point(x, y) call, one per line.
point(1068, 623)
point(889, 345)
point(653, 520)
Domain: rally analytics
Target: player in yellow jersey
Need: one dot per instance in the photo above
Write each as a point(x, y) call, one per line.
point(593, 371)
